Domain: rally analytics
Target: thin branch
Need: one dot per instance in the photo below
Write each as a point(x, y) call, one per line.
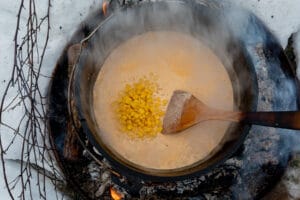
point(29, 52)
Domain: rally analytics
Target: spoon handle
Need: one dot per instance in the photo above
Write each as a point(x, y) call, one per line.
point(281, 119)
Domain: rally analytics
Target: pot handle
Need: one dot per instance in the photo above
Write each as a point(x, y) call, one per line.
point(280, 119)
point(74, 52)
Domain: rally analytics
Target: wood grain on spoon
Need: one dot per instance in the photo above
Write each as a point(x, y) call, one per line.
point(185, 110)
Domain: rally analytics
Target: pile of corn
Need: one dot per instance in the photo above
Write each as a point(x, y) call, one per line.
point(139, 110)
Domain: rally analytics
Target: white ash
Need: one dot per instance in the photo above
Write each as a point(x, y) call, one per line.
point(266, 84)
point(100, 175)
point(297, 49)
point(235, 162)
point(291, 178)
point(94, 171)
point(102, 188)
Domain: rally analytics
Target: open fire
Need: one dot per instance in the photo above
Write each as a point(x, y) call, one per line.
point(105, 5)
point(115, 194)
point(252, 171)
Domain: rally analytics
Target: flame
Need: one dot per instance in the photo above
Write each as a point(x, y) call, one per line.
point(104, 7)
point(115, 194)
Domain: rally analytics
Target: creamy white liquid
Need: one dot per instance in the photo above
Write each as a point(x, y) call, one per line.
point(180, 62)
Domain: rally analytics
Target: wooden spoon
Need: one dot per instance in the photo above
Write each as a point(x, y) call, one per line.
point(185, 110)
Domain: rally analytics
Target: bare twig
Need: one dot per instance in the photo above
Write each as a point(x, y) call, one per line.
point(29, 53)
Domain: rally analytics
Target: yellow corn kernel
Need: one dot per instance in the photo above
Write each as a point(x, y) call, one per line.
point(139, 110)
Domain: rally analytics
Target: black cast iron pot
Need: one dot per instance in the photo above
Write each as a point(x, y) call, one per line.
point(206, 23)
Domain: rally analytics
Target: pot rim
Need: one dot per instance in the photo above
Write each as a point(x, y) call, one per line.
point(155, 175)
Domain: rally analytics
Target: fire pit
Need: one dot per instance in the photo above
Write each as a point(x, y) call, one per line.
point(249, 172)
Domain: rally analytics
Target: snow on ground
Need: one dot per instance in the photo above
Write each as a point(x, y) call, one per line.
point(64, 18)
point(281, 16)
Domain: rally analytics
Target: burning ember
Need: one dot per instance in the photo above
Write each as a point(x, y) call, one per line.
point(105, 7)
point(115, 194)
point(249, 174)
